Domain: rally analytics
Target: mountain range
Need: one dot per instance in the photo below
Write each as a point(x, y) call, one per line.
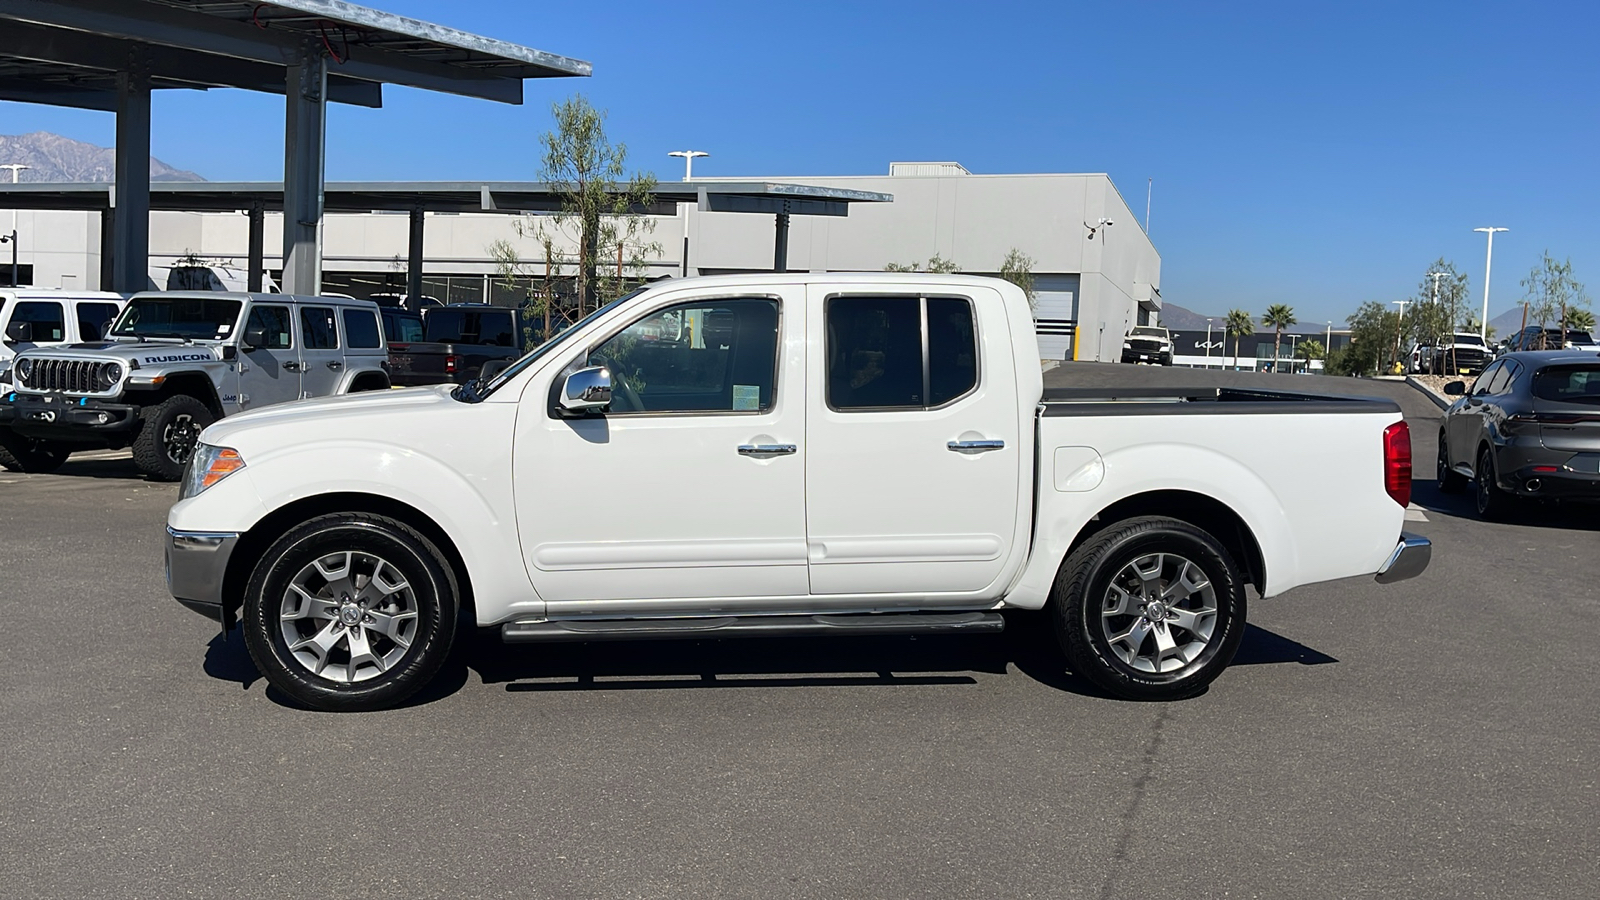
point(53, 158)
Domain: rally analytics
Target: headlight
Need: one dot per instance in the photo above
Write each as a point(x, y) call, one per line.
point(1127, 345)
point(110, 374)
point(208, 466)
point(24, 368)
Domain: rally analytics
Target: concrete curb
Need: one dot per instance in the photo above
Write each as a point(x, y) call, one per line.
point(1437, 400)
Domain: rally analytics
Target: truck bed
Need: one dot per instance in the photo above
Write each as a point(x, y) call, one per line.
point(1200, 400)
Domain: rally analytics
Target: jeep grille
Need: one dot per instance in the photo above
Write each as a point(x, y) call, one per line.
point(71, 376)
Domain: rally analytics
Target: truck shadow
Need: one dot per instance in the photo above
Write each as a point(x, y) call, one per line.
point(899, 661)
point(1569, 515)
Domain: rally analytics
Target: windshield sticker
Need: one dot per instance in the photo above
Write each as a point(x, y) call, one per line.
point(746, 396)
point(224, 328)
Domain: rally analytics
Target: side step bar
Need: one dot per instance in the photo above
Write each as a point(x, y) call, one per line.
point(752, 626)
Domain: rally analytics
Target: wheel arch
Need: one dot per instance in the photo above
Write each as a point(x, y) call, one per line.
point(368, 380)
point(1206, 513)
point(193, 384)
point(253, 543)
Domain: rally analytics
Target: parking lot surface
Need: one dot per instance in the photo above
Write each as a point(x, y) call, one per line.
point(1434, 738)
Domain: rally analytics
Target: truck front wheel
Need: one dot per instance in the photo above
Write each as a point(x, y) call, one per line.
point(168, 435)
point(350, 612)
point(1149, 609)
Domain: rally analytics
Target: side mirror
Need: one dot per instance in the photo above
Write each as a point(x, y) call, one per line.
point(255, 336)
point(493, 367)
point(19, 332)
point(230, 353)
point(586, 390)
point(1455, 388)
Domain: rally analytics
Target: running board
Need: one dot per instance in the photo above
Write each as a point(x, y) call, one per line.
point(752, 626)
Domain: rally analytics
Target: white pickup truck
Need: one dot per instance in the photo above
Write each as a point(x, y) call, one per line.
point(825, 454)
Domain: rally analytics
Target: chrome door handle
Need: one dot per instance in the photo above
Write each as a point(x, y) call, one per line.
point(767, 449)
point(975, 446)
point(335, 365)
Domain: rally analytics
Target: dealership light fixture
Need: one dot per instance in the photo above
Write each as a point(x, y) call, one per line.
point(1488, 261)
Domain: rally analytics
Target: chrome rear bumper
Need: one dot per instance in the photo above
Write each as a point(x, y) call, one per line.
point(1409, 558)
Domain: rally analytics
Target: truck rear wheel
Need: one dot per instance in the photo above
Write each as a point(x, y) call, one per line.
point(350, 612)
point(1149, 609)
point(23, 454)
point(168, 435)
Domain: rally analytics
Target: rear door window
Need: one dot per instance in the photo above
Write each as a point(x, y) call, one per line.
point(46, 316)
point(899, 352)
point(318, 328)
point(402, 328)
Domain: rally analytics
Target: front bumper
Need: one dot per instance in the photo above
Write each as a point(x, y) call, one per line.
point(1145, 354)
point(1410, 557)
point(196, 564)
point(62, 418)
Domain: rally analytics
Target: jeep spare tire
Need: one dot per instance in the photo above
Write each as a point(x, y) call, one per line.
point(168, 434)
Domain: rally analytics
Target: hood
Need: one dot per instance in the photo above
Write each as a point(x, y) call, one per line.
point(343, 413)
point(146, 354)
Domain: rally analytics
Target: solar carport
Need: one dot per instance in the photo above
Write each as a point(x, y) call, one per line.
point(418, 198)
point(111, 54)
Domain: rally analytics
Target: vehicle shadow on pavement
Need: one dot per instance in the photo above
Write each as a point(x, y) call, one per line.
point(892, 661)
point(1567, 515)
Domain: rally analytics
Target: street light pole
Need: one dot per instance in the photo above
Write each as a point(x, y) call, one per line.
point(1208, 344)
point(1399, 326)
point(1488, 261)
point(1436, 276)
point(16, 169)
point(688, 175)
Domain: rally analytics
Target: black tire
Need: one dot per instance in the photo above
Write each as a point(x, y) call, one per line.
point(1492, 502)
point(432, 597)
point(1083, 621)
point(168, 433)
point(24, 454)
point(1450, 481)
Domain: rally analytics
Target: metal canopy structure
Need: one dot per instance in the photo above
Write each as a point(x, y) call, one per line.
point(110, 55)
point(418, 198)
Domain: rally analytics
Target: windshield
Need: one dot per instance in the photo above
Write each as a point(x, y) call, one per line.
point(1150, 332)
point(1579, 337)
point(1568, 384)
point(1469, 339)
point(191, 318)
point(544, 349)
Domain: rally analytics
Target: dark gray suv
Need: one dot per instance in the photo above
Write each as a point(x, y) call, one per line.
point(1530, 428)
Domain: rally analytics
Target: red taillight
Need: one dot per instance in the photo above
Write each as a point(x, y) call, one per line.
point(1397, 462)
point(449, 365)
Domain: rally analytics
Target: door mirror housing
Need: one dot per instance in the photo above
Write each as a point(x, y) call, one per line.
point(586, 391)
point(492, 368)
point(19, 332)
point(255, 336)
point(1455, 388)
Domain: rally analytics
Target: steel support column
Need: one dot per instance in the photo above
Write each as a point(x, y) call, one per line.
point(304, 141)
point(108, 253)
point(258, 242)
point(414, 259)
point(780, 244)
point(130, 252)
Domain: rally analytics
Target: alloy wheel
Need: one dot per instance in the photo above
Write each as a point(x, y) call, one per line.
point(1159, 613)
point(348, 616)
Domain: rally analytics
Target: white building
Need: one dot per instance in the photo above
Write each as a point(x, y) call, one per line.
point(1096, 272)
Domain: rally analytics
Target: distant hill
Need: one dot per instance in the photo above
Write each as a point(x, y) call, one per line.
point(1178, 318)
point(53, 158)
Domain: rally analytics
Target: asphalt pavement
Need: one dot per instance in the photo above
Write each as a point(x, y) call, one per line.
point(1434, 738)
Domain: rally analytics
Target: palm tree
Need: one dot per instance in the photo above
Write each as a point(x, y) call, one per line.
point(1278, 316)
point(1239, 324)
point(1311, 349)
point(1580, 319)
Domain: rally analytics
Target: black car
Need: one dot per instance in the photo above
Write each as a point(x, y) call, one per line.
point(1530, 428)
point(1534, 337)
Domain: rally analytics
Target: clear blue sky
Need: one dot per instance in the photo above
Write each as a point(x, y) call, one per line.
point(1318, 154)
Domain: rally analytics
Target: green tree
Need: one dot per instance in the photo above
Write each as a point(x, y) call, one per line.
point(1238, 324)
point(1017, 268)
point(1439, 312)
point(1278, 317)
point(1551, 290)
point(936, 264)
point(1372, 331)
point(602, 206)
